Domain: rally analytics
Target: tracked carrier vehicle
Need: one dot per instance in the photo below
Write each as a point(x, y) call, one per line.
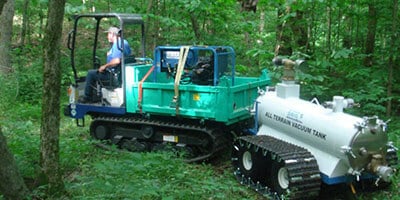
point(189, 97)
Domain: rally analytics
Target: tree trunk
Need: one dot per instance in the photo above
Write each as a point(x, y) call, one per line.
point(392, 53)
point(329, 29)
point(249, 5)
point(348, 26)
point(312, 29)
point(49, 133)
point(370, 40)
point(25, 22)
point(359, 40)
point(12, 185)
point(336, 44)
point(262, 22)
point(299, 29)
point(283, 39)
point(151, 30)
point(6, 24)
point(2, 2)
point(195, 26)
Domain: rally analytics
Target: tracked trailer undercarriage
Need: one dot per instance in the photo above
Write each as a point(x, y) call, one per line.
point(269, 165)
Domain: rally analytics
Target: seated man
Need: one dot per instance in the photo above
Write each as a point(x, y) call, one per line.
point(114, 57)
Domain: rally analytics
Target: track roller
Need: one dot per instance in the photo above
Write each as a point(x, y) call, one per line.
point(100, 131)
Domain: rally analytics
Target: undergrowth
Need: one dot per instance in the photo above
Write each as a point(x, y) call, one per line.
point(93, 173)
point(100, 174)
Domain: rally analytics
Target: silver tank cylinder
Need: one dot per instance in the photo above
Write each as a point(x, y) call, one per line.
point(342, 143)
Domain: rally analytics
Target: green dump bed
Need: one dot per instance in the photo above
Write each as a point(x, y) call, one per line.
point(228, 101)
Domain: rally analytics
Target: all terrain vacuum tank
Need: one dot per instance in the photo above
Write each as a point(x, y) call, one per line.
point(342, 143)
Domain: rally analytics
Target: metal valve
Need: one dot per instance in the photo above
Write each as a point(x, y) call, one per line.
point(288, 67)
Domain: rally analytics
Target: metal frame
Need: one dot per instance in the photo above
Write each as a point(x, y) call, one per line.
point(124, 19)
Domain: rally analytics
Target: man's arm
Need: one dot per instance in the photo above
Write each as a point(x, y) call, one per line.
point(112, 63)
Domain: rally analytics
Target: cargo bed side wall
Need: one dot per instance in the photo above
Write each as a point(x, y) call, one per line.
point(133, 75)
point(224, 103)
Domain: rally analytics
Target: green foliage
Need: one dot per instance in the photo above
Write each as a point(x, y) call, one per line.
point(24, 85)
point(73, 9)
point(29, 86)
point(22, 132)
point(156, 175)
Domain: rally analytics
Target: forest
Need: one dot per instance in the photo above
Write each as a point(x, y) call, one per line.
point(350, 46)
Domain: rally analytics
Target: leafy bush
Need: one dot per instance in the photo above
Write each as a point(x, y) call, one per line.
point(119, 175)
point(26, 81)
point(23, 136)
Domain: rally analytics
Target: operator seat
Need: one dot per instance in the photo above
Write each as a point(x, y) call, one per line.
point(115, 79)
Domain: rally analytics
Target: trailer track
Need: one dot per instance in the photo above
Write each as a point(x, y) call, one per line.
point(276, 169)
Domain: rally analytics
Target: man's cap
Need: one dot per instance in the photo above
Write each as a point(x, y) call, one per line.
point(113, 29)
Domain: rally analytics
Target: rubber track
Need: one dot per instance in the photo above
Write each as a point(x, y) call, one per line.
point(215, 136)
point(304, 175)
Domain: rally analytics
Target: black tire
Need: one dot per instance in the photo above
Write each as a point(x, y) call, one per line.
point(251, 163)
point(279, 177)
point(100, 131)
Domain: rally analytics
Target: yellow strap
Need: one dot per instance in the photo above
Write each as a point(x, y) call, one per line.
point(353, 190)
point(183, 53)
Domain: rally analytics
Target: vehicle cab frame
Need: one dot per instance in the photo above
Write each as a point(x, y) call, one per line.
point(90, 27)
